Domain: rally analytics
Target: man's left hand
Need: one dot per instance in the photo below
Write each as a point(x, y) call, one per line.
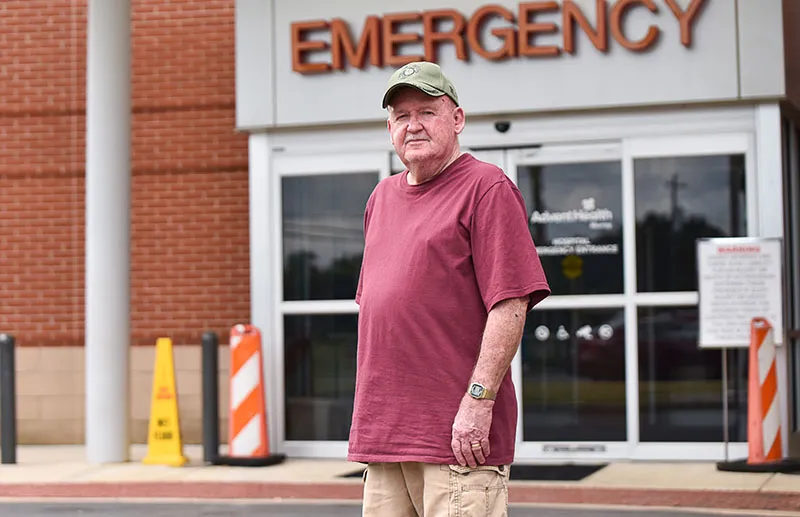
point(471, 429)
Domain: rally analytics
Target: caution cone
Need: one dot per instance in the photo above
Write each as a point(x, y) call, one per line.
point(763, 407)
point(248, 441)
point(164, 446)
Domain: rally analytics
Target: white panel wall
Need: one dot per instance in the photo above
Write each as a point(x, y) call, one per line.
point(587, 79)
point(761, 48)
point(729, 58)
point(255, 56)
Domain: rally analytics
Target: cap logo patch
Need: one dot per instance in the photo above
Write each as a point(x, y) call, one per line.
point(409, 70)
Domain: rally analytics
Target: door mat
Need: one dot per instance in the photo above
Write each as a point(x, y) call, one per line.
point(566, 472)
point(553, 472)
point(356, 474)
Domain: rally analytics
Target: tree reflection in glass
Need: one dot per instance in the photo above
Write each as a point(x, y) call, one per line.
point(323, 234)
point(680, 200)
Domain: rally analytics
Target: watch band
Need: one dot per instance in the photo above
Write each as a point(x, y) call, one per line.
point(488, 394)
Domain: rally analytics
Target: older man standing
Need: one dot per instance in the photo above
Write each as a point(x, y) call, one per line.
point(449, 272)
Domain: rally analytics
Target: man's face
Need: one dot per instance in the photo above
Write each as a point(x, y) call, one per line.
point(424, 128)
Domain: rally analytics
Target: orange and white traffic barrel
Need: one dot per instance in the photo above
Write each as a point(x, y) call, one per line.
point(247, 437)
point(763, 412)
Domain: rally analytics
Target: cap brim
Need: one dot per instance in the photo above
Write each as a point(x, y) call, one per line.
point(426, 89)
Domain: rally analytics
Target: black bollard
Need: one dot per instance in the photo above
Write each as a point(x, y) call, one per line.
point(8, 396)
point(210, 397)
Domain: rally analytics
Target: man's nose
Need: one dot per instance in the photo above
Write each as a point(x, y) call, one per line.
point(414, 123)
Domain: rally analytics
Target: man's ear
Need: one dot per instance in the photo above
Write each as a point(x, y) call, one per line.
point(460, 119)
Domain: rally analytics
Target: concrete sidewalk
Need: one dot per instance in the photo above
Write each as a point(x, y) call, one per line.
point(62, 471)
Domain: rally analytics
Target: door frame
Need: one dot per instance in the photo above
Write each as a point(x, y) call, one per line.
point(528, 451)
point(626, 150)
point(677, 146)
point(268, 146)
point(292, 165)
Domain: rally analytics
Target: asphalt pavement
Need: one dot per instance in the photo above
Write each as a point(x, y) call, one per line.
point(94, 509)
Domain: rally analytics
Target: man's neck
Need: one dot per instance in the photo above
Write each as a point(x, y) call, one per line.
point(421, 174)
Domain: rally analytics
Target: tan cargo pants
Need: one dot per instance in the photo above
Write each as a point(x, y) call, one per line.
point(428, 490)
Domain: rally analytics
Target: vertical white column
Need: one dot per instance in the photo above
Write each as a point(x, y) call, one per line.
point(769, 178)
point(265, 280)
point(108, 186)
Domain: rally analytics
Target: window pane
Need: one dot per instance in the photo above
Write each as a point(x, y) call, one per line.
point(575, 215)
point(323, 234)
point(320, 371)
point(680, 385)
point(679, 200)
point(573, 375)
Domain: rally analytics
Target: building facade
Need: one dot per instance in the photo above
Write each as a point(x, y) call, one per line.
point(632, 128)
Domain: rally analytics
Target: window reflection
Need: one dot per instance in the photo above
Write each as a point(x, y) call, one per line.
point(323, 234)
point(679, 200)
point(573, 375)
point(319, 367)
point(680, 385)
point(395, 165)
point(575, 216)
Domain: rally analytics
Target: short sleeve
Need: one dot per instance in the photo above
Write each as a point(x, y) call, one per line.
point(503, 252)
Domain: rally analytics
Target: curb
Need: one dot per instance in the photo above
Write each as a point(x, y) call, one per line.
point(518, 493)
point(705, 499)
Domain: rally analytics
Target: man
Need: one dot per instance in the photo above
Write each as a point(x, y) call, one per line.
point(448, 275)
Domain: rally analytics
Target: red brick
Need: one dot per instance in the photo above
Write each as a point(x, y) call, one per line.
point(190, 256)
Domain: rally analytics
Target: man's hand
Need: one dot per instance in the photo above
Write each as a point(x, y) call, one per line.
point(471, 426)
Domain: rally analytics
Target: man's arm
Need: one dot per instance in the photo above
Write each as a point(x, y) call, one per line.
point(501, 338)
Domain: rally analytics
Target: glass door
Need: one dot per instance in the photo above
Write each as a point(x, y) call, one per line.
point(319, 212)
point(683, 189)
point(570, 371)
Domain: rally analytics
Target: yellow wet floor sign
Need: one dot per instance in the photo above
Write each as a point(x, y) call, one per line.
point(164, 446)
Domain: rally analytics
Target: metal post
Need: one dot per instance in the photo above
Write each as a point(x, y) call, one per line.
point(108, 192)
point(8, 395)
point(725, 431)
point(210, 397)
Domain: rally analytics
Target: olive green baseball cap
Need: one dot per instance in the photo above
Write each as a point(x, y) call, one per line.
point(425, 77)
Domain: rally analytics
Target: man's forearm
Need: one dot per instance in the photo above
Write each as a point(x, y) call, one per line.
point(501, 338)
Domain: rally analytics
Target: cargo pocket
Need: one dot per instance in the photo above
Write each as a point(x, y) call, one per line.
point(480, 491)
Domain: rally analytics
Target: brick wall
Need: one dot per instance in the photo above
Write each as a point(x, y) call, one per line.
point(190, 233)
point(190, 257)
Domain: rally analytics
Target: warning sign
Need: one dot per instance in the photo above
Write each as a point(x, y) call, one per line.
point(739, 279)
point(164, 445)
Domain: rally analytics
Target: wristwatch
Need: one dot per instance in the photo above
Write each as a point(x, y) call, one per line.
point(479, 391)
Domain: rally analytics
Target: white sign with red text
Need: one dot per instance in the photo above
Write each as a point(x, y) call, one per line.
point(739, 279)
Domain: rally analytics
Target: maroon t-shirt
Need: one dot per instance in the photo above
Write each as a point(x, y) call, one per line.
point(438, 256)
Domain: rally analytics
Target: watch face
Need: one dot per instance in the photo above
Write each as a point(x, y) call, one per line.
point(476, 390)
